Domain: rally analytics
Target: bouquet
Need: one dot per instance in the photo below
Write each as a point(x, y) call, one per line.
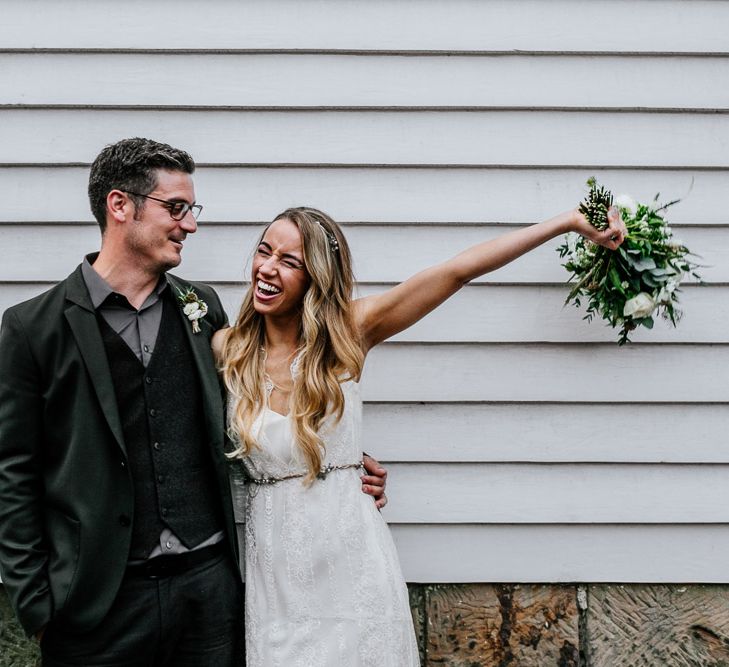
point(629, 286)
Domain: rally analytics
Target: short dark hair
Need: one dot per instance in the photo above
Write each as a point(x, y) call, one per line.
point(132, 164)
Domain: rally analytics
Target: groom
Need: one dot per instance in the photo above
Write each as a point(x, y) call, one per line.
point(117, 537)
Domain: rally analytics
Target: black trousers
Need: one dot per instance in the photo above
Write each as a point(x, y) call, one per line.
point(192, 619)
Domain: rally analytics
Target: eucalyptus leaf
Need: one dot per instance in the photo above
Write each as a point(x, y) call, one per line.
point(645, 263)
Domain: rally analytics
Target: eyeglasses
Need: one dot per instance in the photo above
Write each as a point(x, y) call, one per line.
point(177, 209)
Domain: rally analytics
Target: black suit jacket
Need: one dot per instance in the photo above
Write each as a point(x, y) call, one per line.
point(66, 494)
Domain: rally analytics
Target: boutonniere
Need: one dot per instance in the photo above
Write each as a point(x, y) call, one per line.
point(193, 307)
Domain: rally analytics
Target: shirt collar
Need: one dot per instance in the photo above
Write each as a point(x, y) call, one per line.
point(99, 289)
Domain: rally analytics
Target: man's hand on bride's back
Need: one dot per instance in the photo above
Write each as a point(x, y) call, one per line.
point(374, 481)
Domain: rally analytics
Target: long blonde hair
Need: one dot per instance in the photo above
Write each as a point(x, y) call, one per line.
point(331, 349)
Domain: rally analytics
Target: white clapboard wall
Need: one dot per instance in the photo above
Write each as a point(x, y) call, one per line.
point(523, 445)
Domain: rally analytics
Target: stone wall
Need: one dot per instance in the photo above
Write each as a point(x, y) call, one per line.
point(510, 625)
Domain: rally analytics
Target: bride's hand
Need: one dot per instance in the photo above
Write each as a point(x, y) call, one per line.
point(611, 237)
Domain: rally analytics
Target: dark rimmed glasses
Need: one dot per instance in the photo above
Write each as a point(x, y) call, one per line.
point(177, 209)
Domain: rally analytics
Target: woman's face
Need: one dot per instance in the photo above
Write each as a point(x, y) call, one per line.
point(279, 277)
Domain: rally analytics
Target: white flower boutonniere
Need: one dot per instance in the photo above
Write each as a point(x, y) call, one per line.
point(193, 307)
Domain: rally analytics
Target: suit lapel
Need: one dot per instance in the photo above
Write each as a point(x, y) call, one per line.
point(205, 365)
point(82, 320)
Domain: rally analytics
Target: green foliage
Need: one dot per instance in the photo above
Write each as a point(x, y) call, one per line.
point(628, 286)
point(16, 650)
point(596, 205)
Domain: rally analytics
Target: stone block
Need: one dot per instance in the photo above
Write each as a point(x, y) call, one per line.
point(501, 625)
point(417, 607)
point(658, 625)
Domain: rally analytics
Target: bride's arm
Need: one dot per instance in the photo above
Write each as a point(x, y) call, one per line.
point(383, 315)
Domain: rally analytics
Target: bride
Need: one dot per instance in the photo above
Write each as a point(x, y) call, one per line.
point(323, 582)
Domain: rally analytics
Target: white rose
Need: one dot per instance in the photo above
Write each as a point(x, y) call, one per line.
point(664, 296)
point(196, 315)
point(639, 306)
point(191, 308)
point(627, 202)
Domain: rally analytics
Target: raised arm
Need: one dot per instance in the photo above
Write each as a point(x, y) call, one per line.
point(384, 315)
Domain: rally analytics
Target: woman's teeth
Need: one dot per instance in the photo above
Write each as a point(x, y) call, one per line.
point(265, 287)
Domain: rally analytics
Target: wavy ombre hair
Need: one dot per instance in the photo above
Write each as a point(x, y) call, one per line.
point(330, 346)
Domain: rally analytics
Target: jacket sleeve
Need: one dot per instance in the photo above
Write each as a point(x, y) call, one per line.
point(219, 319)
point(23, 548)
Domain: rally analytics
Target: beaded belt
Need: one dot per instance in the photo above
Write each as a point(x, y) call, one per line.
point(322, 474)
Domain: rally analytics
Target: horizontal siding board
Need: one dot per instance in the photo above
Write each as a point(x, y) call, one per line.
point(563, 553)
point(500, 313)
point(530, 313)
point(221, 253)
point(557, 493)
point(378, 137)
point(546, 433)
point(552, 373)
point(372, 195)
point(567, 25)
point(257, 80)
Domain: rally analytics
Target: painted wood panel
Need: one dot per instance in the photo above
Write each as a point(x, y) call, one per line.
point(546, 433)
point(489, 313)
point(554, 373)
point(501, 313)
point(501, 25)
point(220, 253)
point(263, 80)
point(370, 195)
point(557, 493)
point(563, 553)
point(378, 137)
point(497, 414)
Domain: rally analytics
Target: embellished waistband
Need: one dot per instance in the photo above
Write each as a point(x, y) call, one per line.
point(322, 474)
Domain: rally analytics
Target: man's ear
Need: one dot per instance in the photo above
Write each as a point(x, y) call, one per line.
point(118, 206)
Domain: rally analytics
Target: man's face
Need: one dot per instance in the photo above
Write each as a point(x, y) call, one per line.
point(153, 236)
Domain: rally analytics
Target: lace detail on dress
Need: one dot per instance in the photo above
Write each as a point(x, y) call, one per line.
point(323, 584)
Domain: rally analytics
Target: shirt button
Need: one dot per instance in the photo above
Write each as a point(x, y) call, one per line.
point(153, 413)
point(148, 380)
point(168, 544)
point(146, 348)
point(123, 464)
point(157, 446)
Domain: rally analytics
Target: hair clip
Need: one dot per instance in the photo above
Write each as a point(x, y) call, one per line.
point(333, 243)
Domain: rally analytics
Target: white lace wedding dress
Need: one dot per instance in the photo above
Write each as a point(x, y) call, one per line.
point(323, 582)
